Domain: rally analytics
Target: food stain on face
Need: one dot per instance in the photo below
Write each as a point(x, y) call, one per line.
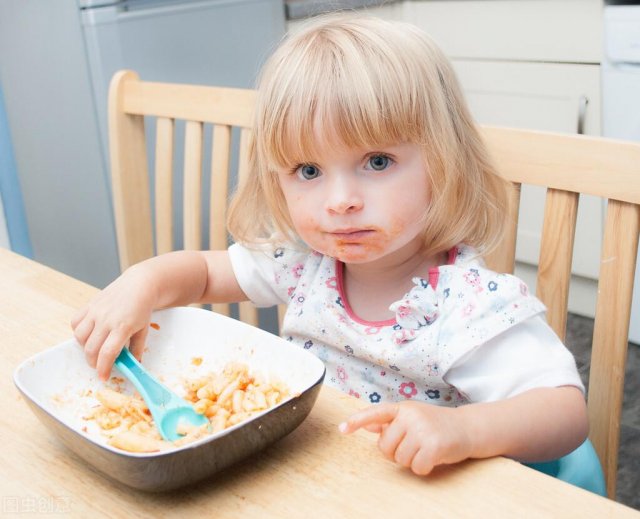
point(360, 245)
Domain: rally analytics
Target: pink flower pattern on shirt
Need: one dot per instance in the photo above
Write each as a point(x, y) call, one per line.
point(297, 270)
point(408, 389)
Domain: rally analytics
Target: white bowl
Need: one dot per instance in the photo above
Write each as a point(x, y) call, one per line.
point(59, 387)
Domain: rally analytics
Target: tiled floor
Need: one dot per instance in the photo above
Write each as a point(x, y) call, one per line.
point(579, 333)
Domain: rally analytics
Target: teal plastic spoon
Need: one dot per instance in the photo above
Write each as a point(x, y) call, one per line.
point(167, 408)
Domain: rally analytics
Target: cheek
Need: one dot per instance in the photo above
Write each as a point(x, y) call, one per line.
point(306, 224)
point(302, 216)
point(406, 209)
point(406, 218)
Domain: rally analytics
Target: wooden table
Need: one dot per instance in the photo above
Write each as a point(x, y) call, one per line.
point(313, 472)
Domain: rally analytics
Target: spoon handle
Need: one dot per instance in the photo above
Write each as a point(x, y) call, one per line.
point(150, 389)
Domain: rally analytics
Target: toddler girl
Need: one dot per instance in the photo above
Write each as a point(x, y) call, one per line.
point(370, 201)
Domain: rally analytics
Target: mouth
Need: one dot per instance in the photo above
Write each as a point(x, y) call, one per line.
point(351, 233)
point(348, 235)
point(355, 244)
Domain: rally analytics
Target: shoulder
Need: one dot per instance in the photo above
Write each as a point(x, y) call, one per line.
point(279, 265)
point(271, 252)
point(478, 304)
point(468, 279)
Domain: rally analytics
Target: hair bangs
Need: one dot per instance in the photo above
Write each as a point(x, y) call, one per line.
point(335, 99)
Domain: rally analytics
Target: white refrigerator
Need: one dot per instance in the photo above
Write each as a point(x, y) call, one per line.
point(56, 60)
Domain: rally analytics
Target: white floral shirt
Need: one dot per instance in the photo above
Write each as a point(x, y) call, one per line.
point(463, 333)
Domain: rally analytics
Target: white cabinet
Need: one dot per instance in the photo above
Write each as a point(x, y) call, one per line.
point(560, 31)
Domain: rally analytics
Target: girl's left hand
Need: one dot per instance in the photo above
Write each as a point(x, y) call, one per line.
point(415, 434)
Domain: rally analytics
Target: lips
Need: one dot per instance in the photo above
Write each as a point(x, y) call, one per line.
point(351, 234)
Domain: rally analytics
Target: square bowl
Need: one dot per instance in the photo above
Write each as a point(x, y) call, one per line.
point(60, 388)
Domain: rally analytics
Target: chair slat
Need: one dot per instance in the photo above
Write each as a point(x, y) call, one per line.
point(610, 336)
point(220, 155)
point(129, 177)
point(556, 255)
point(502, 258)
point(192, 206)
point(282, 310)
point(164, 185)
point(248, 312)
point(221, 308)
point(243, 159)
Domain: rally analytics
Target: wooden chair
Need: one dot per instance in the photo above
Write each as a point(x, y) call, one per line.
point(568, 166)
point(130, 101)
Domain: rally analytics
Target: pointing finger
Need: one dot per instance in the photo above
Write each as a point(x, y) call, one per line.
point(370, 417)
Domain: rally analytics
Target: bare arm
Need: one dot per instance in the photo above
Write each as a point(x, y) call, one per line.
point(537, 425)
point(121, 312)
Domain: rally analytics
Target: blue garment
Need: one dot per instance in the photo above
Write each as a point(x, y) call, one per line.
point(580, 468)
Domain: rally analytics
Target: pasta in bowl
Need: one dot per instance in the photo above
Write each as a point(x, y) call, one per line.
point(225, 399)
point(198, 354)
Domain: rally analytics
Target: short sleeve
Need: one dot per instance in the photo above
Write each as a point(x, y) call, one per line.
point(267, 275)
point(526, 356)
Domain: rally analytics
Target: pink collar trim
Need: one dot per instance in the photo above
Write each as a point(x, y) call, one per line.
point(434, 274)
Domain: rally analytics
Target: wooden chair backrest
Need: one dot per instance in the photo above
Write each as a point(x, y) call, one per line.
point(130, 101)
point(569, 166)
point(565, 165)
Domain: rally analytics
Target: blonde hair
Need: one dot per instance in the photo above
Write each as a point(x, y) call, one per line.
point(374, 83)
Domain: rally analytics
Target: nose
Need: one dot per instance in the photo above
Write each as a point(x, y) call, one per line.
point(344, 197)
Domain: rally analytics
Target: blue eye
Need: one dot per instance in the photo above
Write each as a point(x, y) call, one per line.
point(379, 162)
point(308, 172)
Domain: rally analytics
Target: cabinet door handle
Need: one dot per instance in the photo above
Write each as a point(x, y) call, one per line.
point(582, 113)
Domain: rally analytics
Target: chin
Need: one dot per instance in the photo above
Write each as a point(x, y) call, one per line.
point(355, 253)
point(356, 257)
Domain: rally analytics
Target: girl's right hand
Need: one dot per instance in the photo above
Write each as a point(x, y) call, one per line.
point(118, 315)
